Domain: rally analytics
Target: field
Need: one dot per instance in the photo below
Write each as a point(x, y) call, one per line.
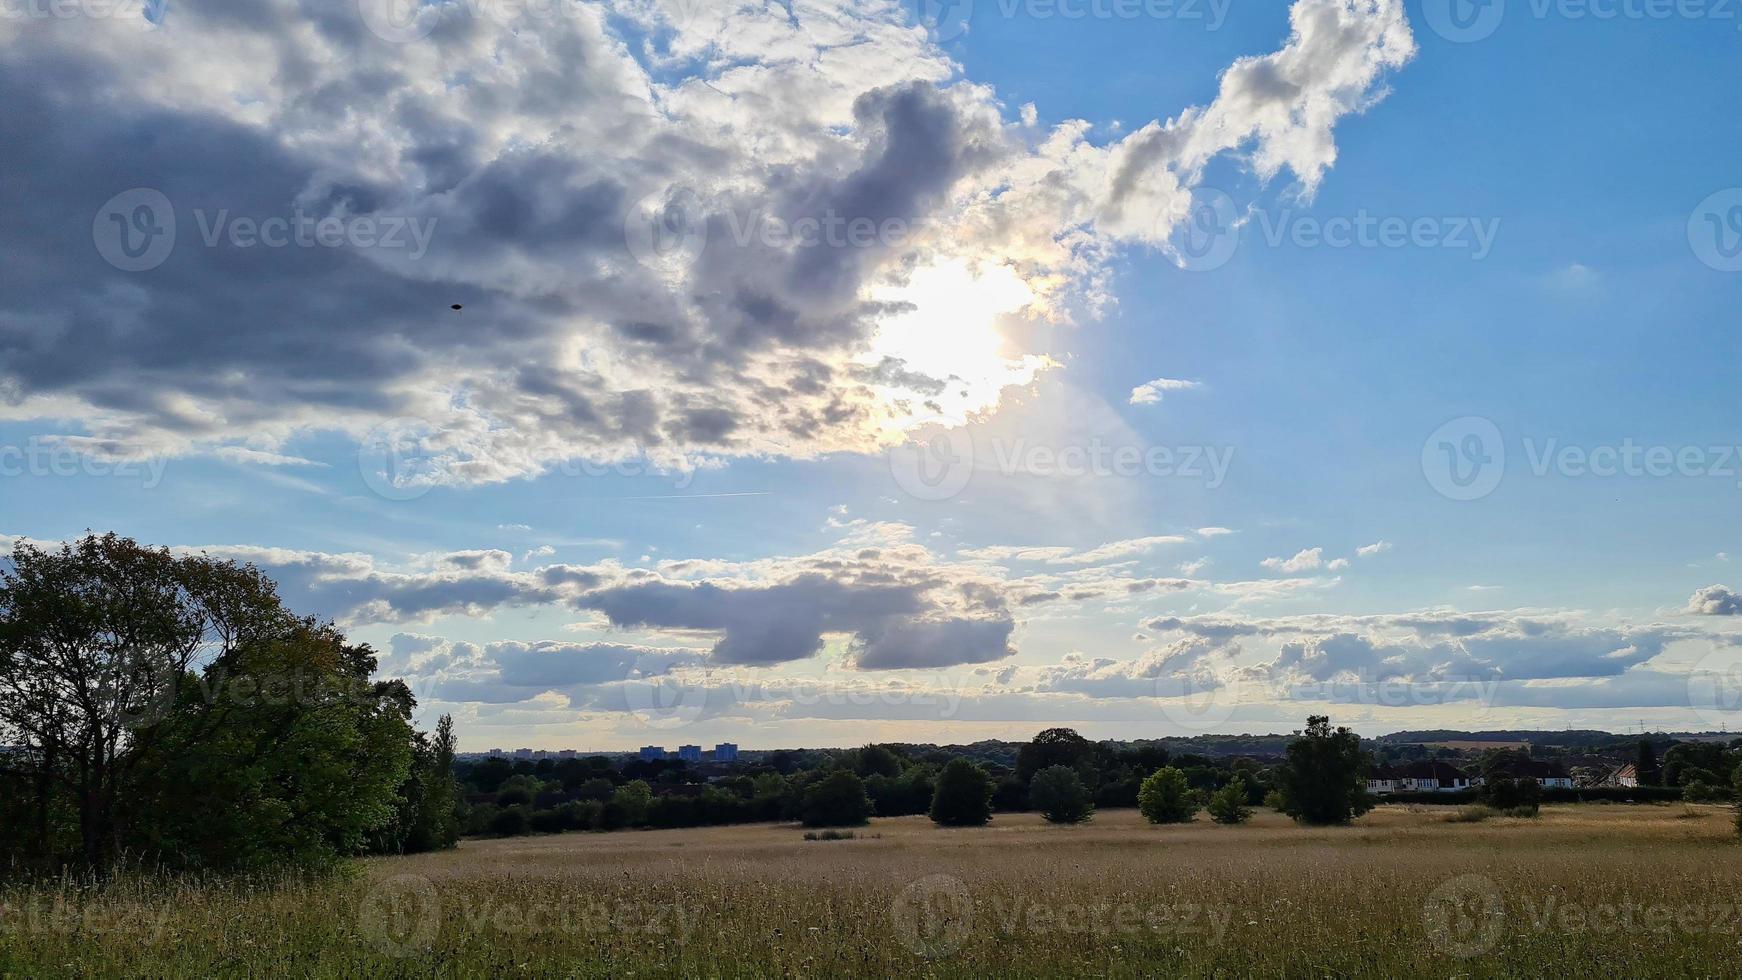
point(1581, 890)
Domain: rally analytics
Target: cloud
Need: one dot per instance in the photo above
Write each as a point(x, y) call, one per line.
point(1305, 560)
point(536, 151)
point(1715, 600)
point(1150, 392)
point(1369, 550)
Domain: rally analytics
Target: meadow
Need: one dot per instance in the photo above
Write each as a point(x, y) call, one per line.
point(1581, 890)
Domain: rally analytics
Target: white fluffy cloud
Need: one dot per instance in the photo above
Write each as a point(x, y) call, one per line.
point(1152, 392)
point(1715, 600)
point(541, 147)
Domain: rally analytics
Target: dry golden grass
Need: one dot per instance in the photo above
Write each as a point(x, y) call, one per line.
point(1620, 890)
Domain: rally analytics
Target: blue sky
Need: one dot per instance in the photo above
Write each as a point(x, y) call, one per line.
point(636, 499)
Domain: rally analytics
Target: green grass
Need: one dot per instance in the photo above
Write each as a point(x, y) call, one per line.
point(1622, 890)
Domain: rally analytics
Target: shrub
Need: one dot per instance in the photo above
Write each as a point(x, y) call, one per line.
point(1274, 801)
point(1165, 797)
point(547, 821)
point(1060, 795)
point(1703, 792)
point(1228, 804)
point(829, 835)
point(963, 797)
point(1522, 798)
point(837, 800)
point(510, 822)
point(1471, 814)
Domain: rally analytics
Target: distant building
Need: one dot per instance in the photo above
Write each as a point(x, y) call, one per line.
point(1550, 775)
point(689, 753)
point(652, 753)
point(1419, 777)
point(495, 753)
point(726, 752)
point(523, 753)
point(567, 753)
point(1627, 776)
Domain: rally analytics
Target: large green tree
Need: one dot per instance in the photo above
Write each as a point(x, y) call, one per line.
point(963, 797)
point(837, 800)
point(1060, 796)
point(167, 706)
point(1053, 747)
point(1323, 778)
point(1166, 797)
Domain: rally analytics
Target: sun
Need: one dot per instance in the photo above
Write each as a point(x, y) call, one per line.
point(951, 334)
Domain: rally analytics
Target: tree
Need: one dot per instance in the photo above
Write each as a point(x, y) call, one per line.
point(1053, 747)
point(1060, 795)
point(1323, 778)
point(635, 798)
point(1645, 764)
point(299, 759)
point(963, 797)
point(1166, 797)
point(96, 639)
point(1228, 804)
point(1513, 797)
point(876, 760)
point(837, 800)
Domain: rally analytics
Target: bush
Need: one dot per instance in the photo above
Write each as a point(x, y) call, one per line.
point(1165, 797)
point(829, 835)
point(547, 821)
point(1516, 799)
point(837, 800)
point(510, 822)
point(1060, 796)
point(963, 797)
point(1228, 804)
point(1471, 814)
point(1274, 801)
point(1701, 792)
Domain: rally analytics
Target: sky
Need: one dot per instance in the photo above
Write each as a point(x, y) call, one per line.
point(822, 372)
